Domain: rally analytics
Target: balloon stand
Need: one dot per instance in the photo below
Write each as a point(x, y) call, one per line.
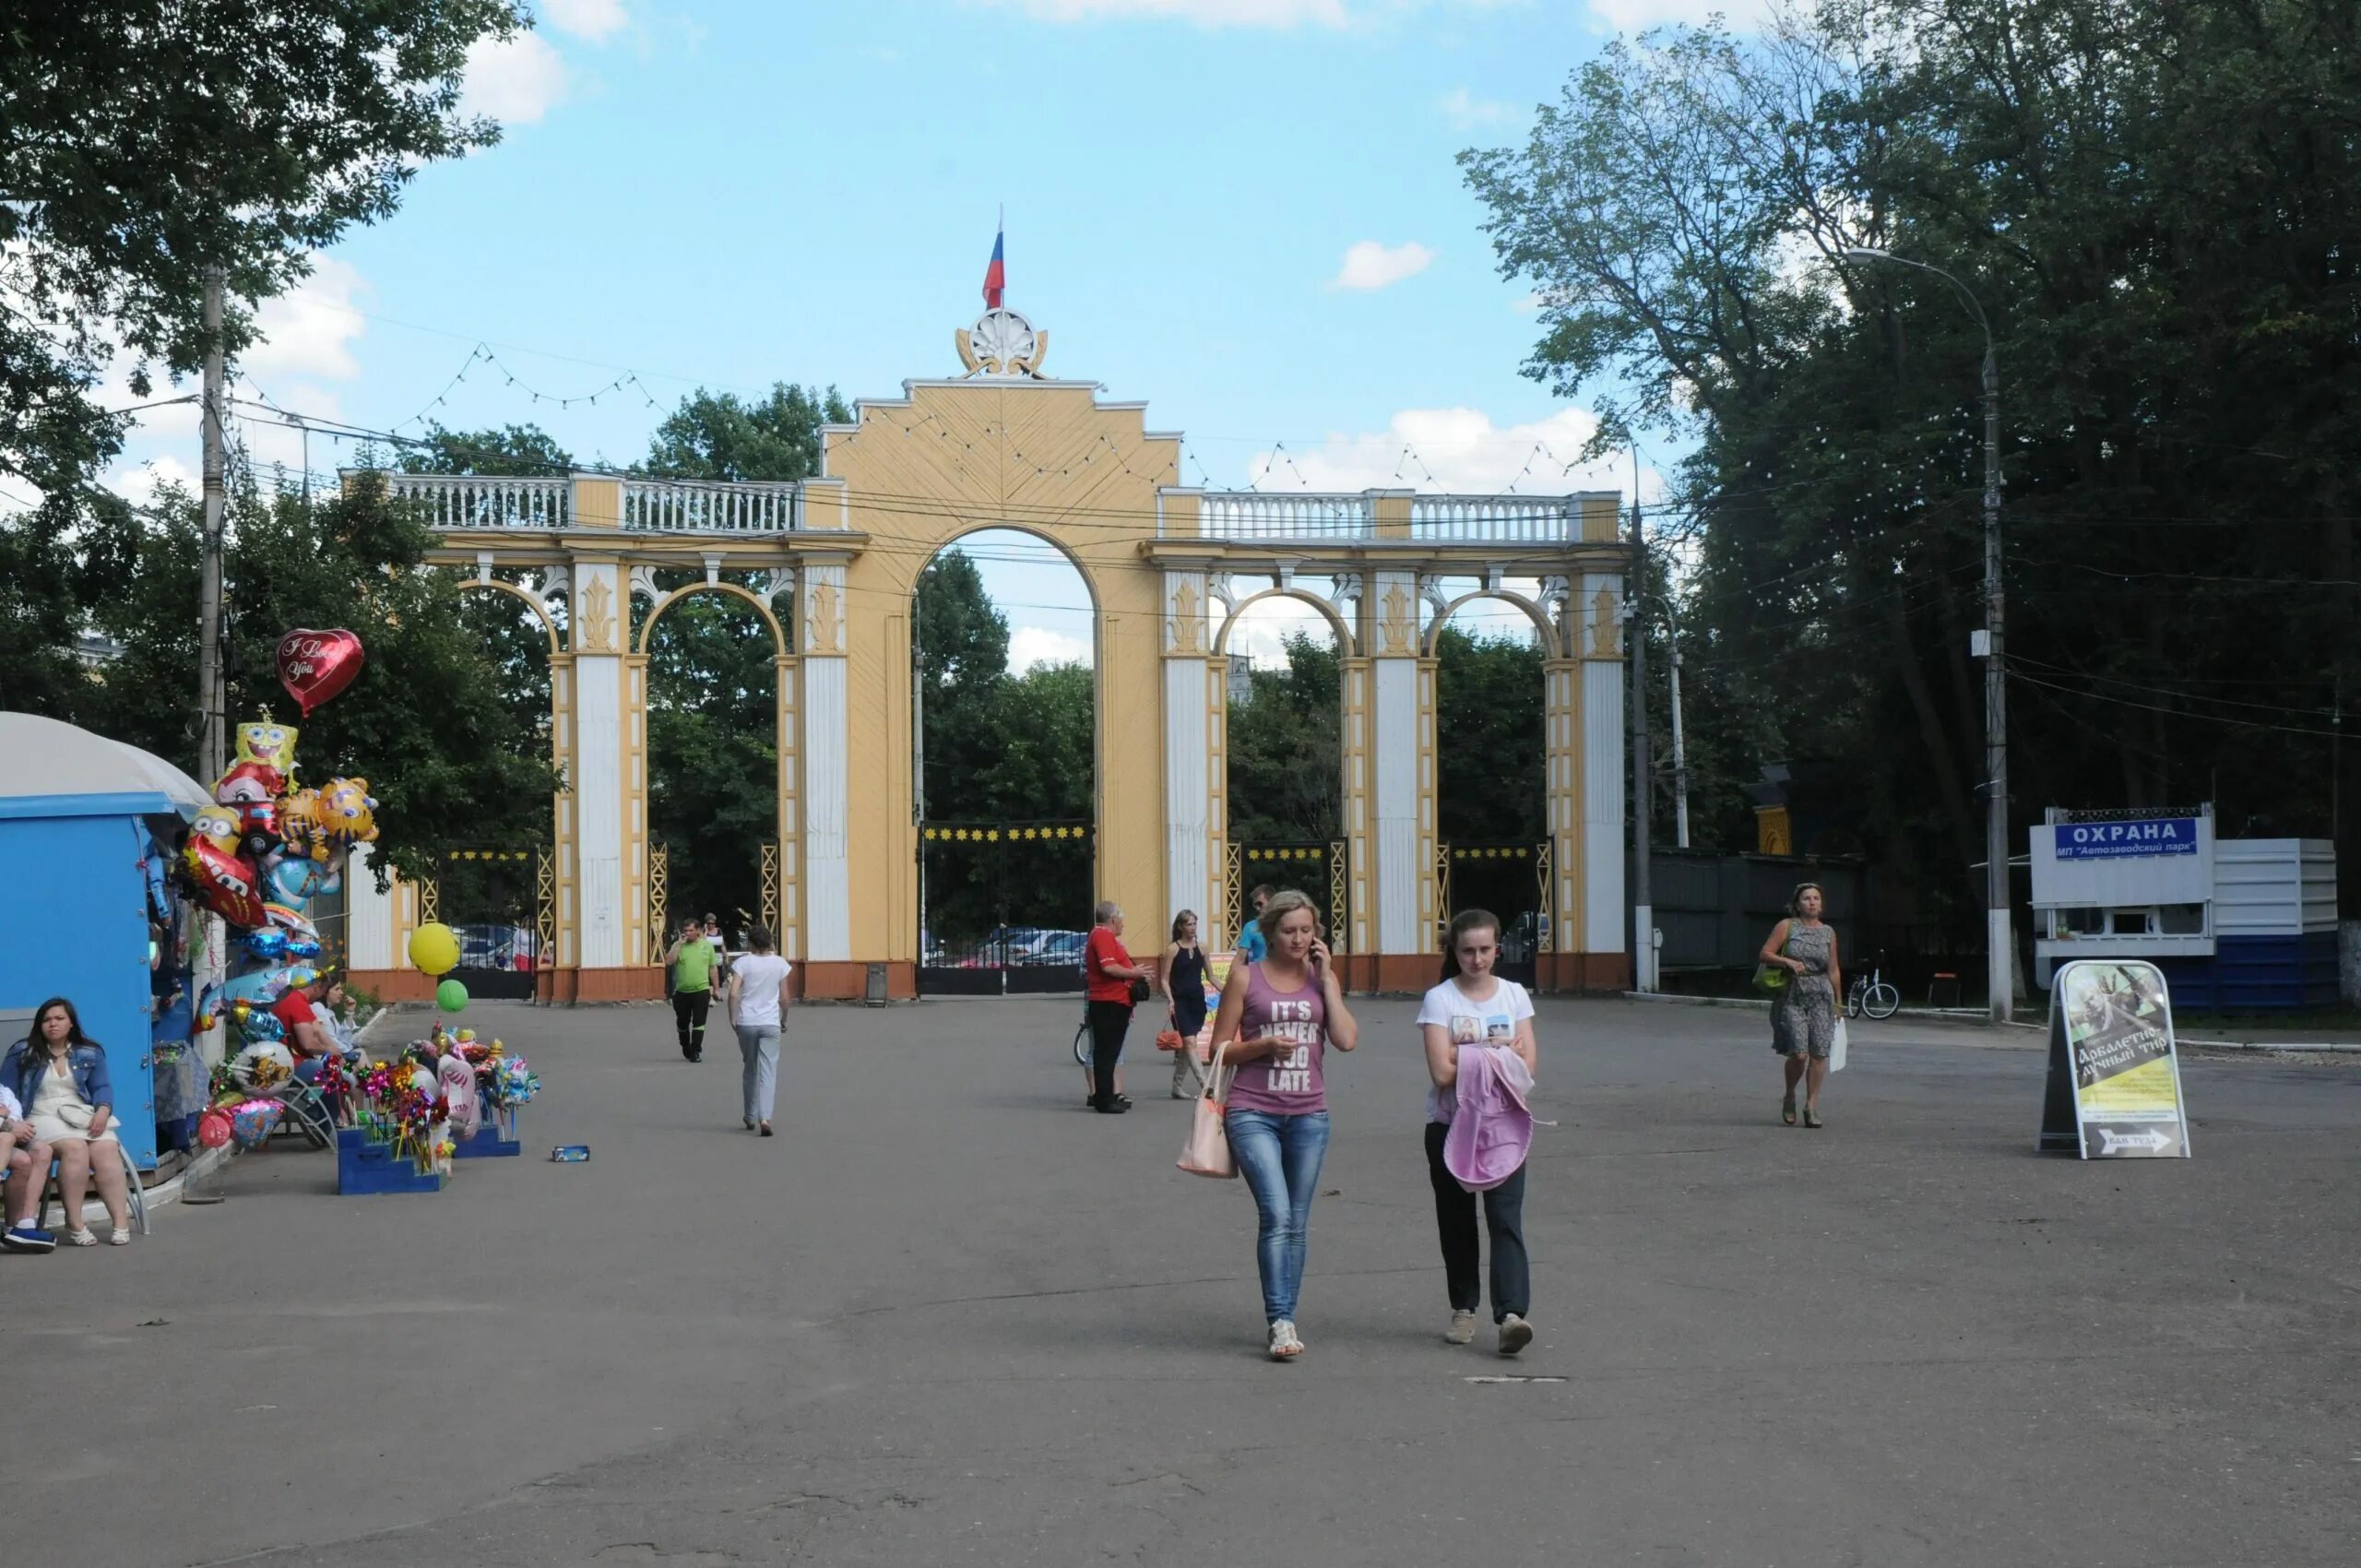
point(496, 1138)
point(369, 1166)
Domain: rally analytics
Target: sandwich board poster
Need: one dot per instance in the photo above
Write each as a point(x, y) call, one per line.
point(2114, 1076)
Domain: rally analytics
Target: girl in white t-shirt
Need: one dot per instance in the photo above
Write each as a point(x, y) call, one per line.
point(757, 999)
point(1474, 1006)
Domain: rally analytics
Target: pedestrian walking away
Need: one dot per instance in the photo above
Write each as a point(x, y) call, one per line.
point(757, 1005)
point(1113, 986)
point(1282, 1014)
point(1803, 1015)
point(1481, 1056)
point(1180, 974)
point(692, 958)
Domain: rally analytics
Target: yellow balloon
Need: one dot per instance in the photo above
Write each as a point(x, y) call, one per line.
point(434, 950)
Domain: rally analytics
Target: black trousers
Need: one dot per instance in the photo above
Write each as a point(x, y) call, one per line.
point(1109, 1022)
point(688, 1011)
point(1456, 1223)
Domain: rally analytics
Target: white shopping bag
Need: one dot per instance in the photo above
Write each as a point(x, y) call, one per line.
point(1836, 1049)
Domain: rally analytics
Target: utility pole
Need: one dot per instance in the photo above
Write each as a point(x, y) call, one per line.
point(1680, 752)
point(1644, 914)
point(211, 751)
point(2000, 957)
point(2001, 945)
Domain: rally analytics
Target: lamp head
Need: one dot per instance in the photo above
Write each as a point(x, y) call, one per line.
point(1863, 253)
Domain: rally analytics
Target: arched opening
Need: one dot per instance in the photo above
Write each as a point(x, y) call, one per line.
point(1490, 645)
point(495, 890)
point(1284, 772)
point(1005, 690)
point(709, 647)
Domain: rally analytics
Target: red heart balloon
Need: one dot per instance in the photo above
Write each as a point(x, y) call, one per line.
point(314, 666)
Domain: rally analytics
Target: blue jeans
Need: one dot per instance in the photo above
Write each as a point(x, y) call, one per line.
point(1280, 1157)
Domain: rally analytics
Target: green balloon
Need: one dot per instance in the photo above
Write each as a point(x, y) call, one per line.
point(451, 996)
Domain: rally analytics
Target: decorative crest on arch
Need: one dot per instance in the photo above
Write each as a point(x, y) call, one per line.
point(1004, 343)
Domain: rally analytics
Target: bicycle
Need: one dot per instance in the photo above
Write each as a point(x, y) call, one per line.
point(1869, 994)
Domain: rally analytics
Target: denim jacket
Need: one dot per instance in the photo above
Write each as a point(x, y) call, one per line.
point(23, 1069)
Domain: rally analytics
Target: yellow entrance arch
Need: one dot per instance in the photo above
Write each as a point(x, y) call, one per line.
point(1005, 448)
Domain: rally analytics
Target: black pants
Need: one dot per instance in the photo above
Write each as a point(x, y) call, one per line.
point(1456, 1223)
point(1109, 1022)
point(688, 1011)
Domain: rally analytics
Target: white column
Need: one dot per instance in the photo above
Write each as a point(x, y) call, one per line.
point(1186, 770)
point(601, 625)
point(828, 868)
point(1604, 773)
point(1396, 755)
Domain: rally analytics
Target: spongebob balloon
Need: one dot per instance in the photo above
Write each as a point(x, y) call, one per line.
point(268, 744)
point(223, 880)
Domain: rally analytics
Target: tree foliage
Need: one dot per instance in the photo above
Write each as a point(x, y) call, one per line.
point(2156, 208)
point(1285, 780)
point(147, 142)
point(718, 436)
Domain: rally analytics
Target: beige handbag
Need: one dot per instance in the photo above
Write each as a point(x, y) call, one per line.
point(1207, 1151)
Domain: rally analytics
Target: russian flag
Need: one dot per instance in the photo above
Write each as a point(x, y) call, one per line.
point(995, 274)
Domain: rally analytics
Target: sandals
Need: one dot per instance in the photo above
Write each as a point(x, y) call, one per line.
point(1811, 1116)
point(1787, 1111)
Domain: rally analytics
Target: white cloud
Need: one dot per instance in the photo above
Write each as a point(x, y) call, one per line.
point(595, 20)
point(1203, 13)
point(515, 81)
point(1468, 111)
point(1637, 16)
point(310, 329)
point(1031, 645)
point(1370, 265)
point(137, 483)
point(1451, 450)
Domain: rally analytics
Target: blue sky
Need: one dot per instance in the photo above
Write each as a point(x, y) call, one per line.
point(1245, 212)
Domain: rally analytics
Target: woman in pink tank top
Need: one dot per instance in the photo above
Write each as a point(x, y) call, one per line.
point(1279, 1016)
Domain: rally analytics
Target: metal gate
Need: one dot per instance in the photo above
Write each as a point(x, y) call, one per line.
point(1511, 881)
point(1317, 868)
point(493, 901)
point(1004, 906)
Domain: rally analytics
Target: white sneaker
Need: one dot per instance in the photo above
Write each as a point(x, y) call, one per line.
point(1462, 1330)
point(1515, 1334)
point(1284, 1346)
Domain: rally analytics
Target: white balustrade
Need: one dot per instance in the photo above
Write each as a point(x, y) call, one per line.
point(468, 501)
point(696, 506)
point(1435, 520)
point(1494, 519)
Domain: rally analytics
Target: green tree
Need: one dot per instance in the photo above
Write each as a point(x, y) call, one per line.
point(2153, 205)
point(1491, 754)
point(718, 436)
point(1286, 776)
point(147, 142)
point(424, 722)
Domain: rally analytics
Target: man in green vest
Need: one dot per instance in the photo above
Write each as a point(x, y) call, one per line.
point(692, 958)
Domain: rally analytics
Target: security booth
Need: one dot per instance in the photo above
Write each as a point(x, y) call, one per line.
point(88, 826)
point(2247, 924)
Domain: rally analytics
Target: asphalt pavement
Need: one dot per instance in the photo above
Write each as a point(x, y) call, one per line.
point(947, 1317)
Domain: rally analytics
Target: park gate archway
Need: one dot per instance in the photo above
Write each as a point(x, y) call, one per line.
point(834, 562)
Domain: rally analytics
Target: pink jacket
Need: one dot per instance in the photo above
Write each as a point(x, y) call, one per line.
point(1491, 1131)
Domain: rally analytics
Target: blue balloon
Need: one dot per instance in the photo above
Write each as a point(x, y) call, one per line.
point(302, 947)
point(298, 880)
point(267, 943)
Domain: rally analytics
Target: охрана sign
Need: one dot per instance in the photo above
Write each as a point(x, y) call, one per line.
point(2120, 840)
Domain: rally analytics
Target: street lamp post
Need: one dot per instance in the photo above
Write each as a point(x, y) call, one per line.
point(1999, 974)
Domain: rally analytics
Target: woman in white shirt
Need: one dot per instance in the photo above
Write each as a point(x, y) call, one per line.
point(1474, 1006)
point(757, 1001)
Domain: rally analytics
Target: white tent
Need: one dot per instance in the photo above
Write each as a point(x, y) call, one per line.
point(47, 760)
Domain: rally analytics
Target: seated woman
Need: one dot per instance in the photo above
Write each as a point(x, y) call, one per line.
point(24, 1166)
point(59, 1075)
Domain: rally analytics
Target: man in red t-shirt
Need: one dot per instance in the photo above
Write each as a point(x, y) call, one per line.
point(306, 1036)
point(1108, 973)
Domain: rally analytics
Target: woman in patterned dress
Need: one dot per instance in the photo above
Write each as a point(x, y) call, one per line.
point(1803, 1017)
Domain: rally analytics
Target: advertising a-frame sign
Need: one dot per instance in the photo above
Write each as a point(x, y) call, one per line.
point(2114, 1076)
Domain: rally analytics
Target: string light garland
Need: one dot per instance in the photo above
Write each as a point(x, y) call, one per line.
point(483, 354)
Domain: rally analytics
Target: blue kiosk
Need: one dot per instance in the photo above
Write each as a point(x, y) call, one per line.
point(87, 827)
